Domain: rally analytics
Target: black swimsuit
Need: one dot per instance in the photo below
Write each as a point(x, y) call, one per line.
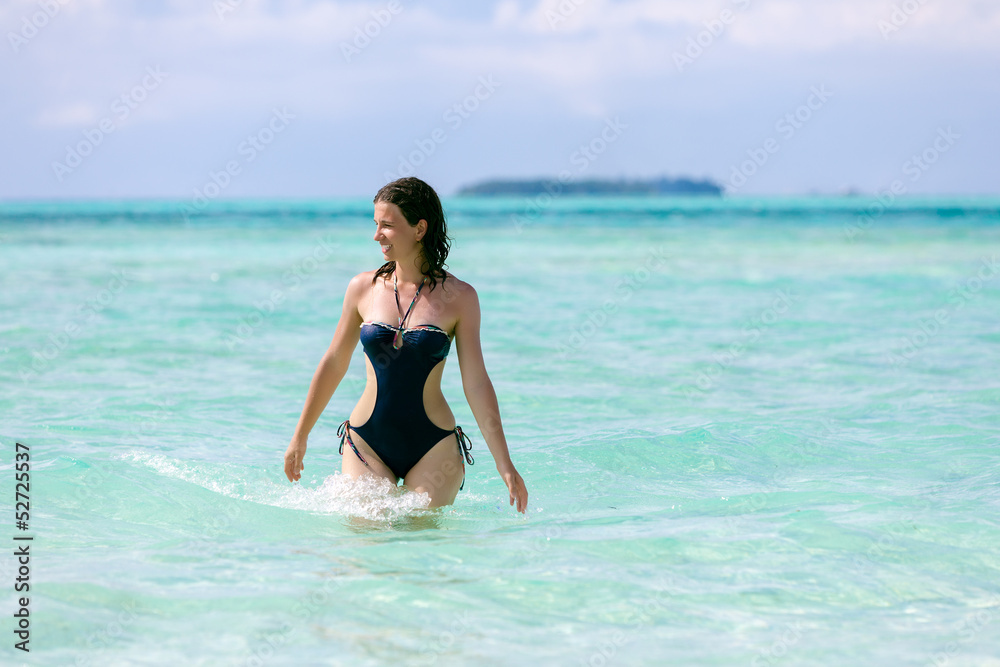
point(399, 430)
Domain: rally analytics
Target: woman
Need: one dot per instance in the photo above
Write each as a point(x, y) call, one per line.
point(402, 427)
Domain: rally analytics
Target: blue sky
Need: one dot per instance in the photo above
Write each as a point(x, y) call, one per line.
point(232, 98)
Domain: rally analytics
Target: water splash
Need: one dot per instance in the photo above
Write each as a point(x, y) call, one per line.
point(367, 497)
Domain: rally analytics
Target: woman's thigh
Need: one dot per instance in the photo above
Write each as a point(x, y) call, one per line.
point(351, 465)
point(439, 473)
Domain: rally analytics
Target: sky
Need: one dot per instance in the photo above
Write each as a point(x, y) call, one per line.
point(325, 99)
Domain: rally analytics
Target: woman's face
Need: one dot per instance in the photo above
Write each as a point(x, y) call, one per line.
point(394, 234)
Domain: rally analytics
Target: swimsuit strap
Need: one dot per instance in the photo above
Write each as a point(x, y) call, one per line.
point(397, 340)
point(345, 434)
point(398, 308)
point(464, 448)
point(464, 445)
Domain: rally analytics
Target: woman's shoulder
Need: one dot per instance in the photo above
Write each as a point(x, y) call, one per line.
point(361, 283)
point(364, 275)
point(459, 290)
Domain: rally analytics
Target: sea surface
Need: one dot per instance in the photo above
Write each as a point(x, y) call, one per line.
point(754, 432)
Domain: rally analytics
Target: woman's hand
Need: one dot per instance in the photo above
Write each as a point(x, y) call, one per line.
point(515, 485)
point(293, 459)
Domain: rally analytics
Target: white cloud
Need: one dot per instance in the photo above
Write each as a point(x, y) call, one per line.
point(608, 57)
point(506, 13)
point(262, 51)
point(790, 25)
point(70, 115)
point(575, 16)
point(780, 25)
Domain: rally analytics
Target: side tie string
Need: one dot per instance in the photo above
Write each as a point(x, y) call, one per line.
point(464, 445)
point(345, 434)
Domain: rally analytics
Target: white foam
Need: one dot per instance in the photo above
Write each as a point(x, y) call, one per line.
point(367, 497)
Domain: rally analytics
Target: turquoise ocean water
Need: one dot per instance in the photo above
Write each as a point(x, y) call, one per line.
point(754, 432)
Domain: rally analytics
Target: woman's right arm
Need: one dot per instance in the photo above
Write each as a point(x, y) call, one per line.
point(331, 370)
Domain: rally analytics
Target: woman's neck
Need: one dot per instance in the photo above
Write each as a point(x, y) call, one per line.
point(408, 270)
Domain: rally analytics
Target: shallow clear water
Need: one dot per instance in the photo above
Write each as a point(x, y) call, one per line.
point(753, 432)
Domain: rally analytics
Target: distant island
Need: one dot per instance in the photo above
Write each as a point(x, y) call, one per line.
point(592, 187)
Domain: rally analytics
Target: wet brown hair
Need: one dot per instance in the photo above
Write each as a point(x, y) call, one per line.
point(418, 201)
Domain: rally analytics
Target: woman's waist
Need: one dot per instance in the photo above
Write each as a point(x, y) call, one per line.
point(403, 406)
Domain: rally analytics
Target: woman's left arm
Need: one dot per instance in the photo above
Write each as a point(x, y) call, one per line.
point(482, 397)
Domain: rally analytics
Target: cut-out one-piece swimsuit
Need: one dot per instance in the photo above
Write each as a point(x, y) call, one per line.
point(399, 430)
